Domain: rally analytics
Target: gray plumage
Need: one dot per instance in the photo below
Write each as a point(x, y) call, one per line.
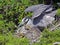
point(33, 8)
point(37, 9)
point(43, 15)
point(44, 22)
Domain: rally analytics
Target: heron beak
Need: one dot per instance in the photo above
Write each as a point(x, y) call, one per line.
point(21, 24)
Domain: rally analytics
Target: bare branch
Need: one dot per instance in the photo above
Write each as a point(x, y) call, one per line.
point(55, 27)
point(56, 43)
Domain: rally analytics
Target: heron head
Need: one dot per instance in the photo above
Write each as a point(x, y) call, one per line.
point(25, 20)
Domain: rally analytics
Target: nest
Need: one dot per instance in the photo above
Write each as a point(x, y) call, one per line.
point(31, 33)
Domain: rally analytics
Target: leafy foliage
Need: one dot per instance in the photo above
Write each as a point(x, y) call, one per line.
point(49, 37)
point(58, 12)
point(9, 39)
point(12, 12)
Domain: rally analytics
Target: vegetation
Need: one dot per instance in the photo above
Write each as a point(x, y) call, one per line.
point(58, 12)
point(11, 14)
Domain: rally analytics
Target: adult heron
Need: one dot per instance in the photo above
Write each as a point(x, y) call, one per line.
point(43, 15)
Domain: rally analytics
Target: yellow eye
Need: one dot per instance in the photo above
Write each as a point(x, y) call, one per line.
point(26, 20)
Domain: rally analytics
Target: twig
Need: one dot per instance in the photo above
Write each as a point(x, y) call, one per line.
point(56, 43)
point(55, 27)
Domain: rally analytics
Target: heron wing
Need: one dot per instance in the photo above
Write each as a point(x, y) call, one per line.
point(33, 8)
point(41, 10)
point(50, 9)
point(52, 13)
point(46, 21)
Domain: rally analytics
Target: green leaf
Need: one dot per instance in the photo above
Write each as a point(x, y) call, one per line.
point(58, 12)
point(1, 16)
point(26, 2)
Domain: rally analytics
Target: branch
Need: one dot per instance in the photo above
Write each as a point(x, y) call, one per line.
point(55, 27)
point(56, 43)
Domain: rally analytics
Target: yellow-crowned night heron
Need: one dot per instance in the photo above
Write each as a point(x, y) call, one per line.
point(43, 15)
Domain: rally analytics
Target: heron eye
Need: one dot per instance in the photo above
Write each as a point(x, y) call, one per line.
point(26, 20)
